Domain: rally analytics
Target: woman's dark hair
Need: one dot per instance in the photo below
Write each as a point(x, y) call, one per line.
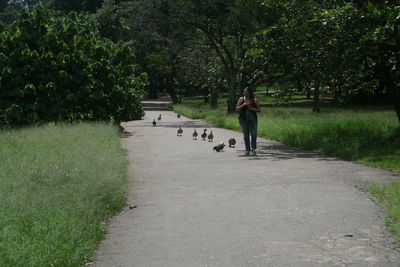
point(250, 91)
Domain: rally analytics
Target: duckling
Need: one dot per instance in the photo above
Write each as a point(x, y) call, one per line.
point(178, 116)
point(195, 134)
point(204, 135)
point(210, 137)
point(159, 117)
point(232, 142)
point(219, 147)
point(154, 122)
point(180, 131)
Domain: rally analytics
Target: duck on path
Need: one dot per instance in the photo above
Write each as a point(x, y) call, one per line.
point(219, 147)
point(154, 122)
point(210, 137)
point(180, 131)
point(232, 142)
point(204, 135)
point(195, 134)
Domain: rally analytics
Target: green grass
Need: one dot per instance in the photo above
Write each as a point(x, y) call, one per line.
point(389, 196)
point(57, 185)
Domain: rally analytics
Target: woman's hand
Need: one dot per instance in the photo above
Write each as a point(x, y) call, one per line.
point(240, 104)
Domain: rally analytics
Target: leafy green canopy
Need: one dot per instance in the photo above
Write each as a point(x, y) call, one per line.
point(59, 69)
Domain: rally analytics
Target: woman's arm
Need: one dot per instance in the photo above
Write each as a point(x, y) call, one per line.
point(240, 104)
point(257, 108)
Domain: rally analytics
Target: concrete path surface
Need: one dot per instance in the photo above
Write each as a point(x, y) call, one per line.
point(284, 207)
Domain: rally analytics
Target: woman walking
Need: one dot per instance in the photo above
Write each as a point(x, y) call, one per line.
point(248, 106)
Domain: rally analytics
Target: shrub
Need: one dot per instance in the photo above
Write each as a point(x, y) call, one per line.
point(59, 69)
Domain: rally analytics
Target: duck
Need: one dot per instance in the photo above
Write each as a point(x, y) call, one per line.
point(159, 117)
point(178, 116)
point(154, 122)
point(195, 134)
point(210, 137)
point(180, 131)
point(232, 142)
point(204, 135)
point(219, 147)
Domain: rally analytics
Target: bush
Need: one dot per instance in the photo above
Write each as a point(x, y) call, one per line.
point(59, 69)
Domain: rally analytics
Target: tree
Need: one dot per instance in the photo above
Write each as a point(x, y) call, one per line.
point(59, 69)
point(74, 5)
point(9, 13)
point(228, 27)
point(300, 46)
point(116, 20)
point(383, 38)
point(158, 38)
point(3, 5)
point(352, 47)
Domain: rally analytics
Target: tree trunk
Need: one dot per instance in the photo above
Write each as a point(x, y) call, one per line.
point(214, 98)
point(397, 109)
point(335, 89)
point(316, 104)
point(214, 94)
point(338, 92)
point(388, 79)
point(172, 93)
point(231, 103)
point(206, 96)
point(308, 93)
point(299, 87)
point(187, 91)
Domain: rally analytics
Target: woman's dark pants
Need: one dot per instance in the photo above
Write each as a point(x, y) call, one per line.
point(247, 131)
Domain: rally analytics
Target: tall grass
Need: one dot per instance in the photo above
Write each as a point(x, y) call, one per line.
point(389, 196)
point(57, 184)
point(366, 135)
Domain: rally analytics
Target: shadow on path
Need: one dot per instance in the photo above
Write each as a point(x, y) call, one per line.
point(275, 151)
point(183, 124)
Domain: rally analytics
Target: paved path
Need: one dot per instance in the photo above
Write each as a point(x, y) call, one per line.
point(285, 207)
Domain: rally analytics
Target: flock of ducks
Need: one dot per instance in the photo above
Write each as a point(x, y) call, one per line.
point(204, 135)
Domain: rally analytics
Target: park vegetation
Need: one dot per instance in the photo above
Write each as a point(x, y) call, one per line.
point(58, 68)
point(58, 184)
point(347, 49)
point(94, 60)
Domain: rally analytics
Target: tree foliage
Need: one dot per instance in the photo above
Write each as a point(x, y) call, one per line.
point(347, 49)
point(74, 5)
point(59, 69)
point(228, 27)
point(350, 48)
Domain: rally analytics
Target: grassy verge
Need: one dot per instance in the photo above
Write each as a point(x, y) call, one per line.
point(389, 196)
point(366, 135)
point(57, 185)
